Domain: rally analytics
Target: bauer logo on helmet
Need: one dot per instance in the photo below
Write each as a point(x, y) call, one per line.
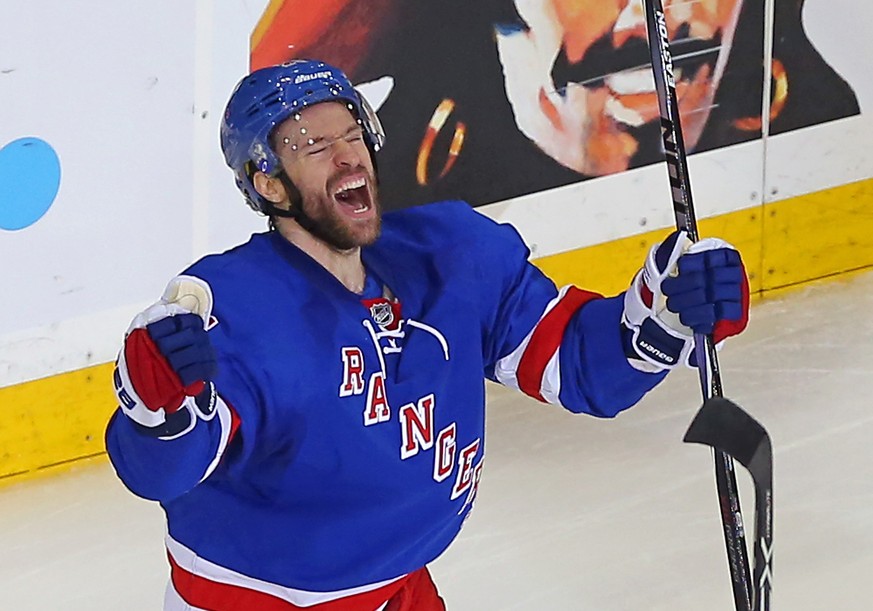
point(302, 78)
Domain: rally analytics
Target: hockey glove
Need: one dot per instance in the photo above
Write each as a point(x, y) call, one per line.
point(163, 370)
point(684, 288)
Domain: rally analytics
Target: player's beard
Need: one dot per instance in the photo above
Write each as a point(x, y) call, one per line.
point(324, 220)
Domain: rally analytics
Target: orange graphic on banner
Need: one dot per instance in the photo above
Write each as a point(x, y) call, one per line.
point(780, 97)
point(289, 25)
point(437, 121)
point(336, 31)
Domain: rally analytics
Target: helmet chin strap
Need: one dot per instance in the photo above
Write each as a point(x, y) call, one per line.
point(295, 210)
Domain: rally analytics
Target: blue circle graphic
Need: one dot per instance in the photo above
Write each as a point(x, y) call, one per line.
point(30, 176)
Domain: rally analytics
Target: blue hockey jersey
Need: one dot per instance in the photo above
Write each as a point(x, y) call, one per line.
point(347, 450)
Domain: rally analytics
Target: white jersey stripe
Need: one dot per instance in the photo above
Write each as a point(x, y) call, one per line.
point(191, 562)
point(551, 386)
point(225, 420)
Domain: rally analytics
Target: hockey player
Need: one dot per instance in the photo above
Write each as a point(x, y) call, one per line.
point(308, 408)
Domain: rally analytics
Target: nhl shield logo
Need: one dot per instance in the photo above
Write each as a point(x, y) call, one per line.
point(382, 313)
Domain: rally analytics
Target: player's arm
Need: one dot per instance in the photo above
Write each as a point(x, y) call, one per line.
point(172, 425)
point(595, 355)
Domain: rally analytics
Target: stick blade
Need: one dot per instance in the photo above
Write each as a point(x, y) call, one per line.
point(724, 425)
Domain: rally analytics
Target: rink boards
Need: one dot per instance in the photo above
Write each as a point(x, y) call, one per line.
point(51, 422)
point(798, 205)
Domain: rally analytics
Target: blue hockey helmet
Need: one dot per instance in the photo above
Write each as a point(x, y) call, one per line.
point(265, 98)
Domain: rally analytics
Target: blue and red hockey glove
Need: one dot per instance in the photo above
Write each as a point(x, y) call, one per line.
point(683, 288)
point(163, 372)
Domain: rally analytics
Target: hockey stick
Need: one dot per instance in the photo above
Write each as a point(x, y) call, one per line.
point(746, 439)
point(724, 425)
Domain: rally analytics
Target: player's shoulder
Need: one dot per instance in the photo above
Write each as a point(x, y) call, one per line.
point(238, 278)
point(448, 213)
point(451, 223)
point(240, 260)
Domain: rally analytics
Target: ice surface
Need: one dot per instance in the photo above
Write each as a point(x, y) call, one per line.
point(573, 513)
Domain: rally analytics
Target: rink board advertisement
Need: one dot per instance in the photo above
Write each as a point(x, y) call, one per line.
point(495, 99)
point(538, 112)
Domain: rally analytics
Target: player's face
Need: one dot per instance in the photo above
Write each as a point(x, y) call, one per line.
point(324, 154)
point(580, 81)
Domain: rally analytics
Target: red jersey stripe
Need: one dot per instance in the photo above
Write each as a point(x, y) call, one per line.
point(546, 338)
point(216, 596)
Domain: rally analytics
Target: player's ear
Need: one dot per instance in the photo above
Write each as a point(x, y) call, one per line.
point(270, 188)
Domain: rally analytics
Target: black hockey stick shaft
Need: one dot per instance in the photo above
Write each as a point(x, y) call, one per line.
point(707, 360)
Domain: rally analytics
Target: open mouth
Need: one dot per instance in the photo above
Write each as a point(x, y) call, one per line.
point(602, 61)
point(626, 73)
point(353, 196)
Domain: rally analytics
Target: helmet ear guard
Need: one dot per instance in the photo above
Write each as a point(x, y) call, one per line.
point(263, 158)
point(267, 97)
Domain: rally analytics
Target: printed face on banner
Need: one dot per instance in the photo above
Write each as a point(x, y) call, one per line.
point(580, 83)
point(488, 100)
